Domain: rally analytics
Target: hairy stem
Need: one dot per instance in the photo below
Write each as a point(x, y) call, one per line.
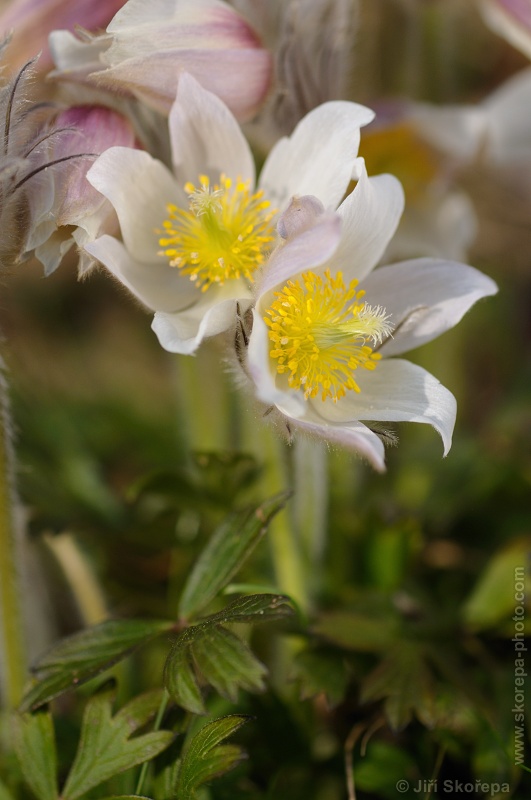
point(12, 645)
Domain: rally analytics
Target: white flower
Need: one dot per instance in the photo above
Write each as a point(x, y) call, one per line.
point(325, 326)
point(194, 240)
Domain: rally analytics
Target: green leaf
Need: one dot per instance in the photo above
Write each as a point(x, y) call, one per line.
point(231, 544)
point(105, 748)
point(80, 657)
point(205, 758)
point(321, 672)
point(356, 631)
point(35, 748)
point(227, 663)
point(180, 680)
point(404, 681)
point(254, 608)
point(5, 794)
point(493, 598)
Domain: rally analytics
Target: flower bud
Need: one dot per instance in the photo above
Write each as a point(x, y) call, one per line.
point(510, 19)
point(33, 20)
point(148, 45)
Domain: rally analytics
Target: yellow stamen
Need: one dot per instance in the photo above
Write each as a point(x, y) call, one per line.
point(319, 331)
point(225, 234)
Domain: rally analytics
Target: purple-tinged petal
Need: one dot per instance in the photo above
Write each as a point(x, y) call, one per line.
point(310, 249)
point(424, 298)
point(354, 436)
point(301, 214)
point(33, 20)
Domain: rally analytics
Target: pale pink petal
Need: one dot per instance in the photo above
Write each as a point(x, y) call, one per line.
point(157, 286)
point(301, 214)
point(33, 20)
point(510, 19)
point(370, 216)
point(354, 436)
point(139, 188)
point(424, 298)
point(240, 78)
point(304, 252)
point(318, 158)
point(205, 137)
point(396, 391)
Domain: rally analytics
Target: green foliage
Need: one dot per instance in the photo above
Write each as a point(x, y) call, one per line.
point(106, 747)
point(80, 657)
point(205, 758)
point(492, 599)
point(227, 550)
point(36, 751)
point(223, 659)
point(321, 671)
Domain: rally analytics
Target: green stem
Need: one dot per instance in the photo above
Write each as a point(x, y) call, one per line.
point(289, 562)
point(310, 502)
point(204, 400)
point(156, 725)
point(13, 650)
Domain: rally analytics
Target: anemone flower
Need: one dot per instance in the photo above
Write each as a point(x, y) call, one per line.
point(195, 239)
point(326, 326)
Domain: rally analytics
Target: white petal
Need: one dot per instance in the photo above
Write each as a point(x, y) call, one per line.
point(308, 250)
point(206, 139)
point(158, 286)
point(424, 297)
point(184, 332)
point(458, 131)
point(396, 391)
point(509, 123)
point(318, 157)
point(370, 215)
point(139, 188)
point(354, 436)
point(259, 367)
point(442, 224)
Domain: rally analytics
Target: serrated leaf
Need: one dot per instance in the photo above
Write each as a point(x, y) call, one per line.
point(231, 544)
point(404, 681)
point(204, 758)
point(180, 681)
point(321, 672)
point(227, 663)
point(105, 748)
point(35, 748)
point(80, 657)
point(254, 608)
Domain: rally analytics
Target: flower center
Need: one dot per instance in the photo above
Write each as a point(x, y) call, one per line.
point(319, 331)
point(224, 234)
